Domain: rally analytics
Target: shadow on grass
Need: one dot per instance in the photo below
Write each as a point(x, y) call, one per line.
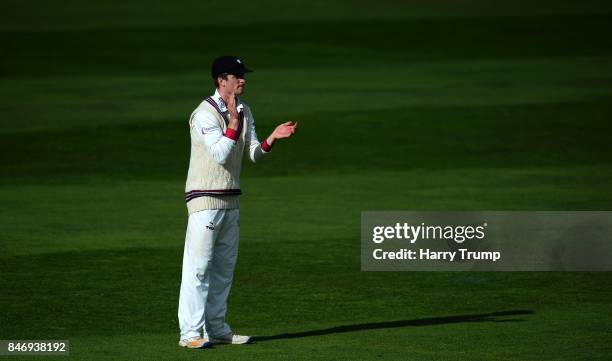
point(431, 321)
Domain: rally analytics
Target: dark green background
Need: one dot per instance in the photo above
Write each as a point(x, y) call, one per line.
point(448, 105)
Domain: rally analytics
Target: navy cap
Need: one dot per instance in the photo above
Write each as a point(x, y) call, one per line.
point(228, 64)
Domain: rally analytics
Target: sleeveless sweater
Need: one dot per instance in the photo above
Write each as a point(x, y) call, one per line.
point(211, 185)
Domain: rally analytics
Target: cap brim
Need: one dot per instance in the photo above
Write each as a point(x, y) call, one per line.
point(240, 71)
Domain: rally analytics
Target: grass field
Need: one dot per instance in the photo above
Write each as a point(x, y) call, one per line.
point(408, 106)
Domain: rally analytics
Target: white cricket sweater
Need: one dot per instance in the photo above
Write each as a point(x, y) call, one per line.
point(213, 179)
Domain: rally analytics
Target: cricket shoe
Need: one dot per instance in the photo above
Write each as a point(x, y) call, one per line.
point(231, 338)
point(195, 342)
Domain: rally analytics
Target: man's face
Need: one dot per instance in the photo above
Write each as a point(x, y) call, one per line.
point(233, 83)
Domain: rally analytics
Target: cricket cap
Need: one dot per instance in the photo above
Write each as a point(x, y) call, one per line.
point(228, 64)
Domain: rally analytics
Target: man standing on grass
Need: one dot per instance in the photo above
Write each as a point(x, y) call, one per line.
point(222, 129)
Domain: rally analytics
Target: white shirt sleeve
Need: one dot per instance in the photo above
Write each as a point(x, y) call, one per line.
point(207, 130)
point(252, 145)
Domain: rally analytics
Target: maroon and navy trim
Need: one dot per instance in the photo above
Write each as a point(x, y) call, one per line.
point(230, 133)
point(212, 102)
point(211, 192)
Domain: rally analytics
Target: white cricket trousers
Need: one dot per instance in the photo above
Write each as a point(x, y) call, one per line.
point(211, 250)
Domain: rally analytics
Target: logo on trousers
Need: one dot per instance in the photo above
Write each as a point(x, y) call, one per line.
point(211, 226)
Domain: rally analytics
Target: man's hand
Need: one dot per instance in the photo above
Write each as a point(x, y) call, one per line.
point(285, 130)
point(231, 107)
